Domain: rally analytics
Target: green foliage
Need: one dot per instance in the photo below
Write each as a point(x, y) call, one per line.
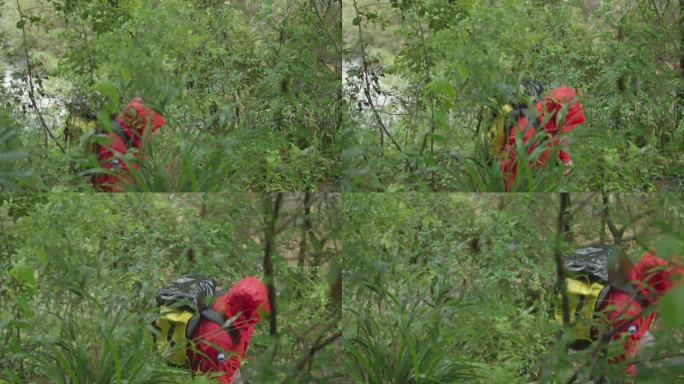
point(13, 159)
point(78, 276)
point(461, 288)
point(409, 352)
point(421, 75)
point(250, 91)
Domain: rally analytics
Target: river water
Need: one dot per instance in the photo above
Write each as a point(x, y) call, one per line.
point(388, 107)
point(52, 108)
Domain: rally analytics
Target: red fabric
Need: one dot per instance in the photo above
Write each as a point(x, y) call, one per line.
point(138, 121)
point(651, 277)
point(107, 182)
point(548, 111)
point(246, 298)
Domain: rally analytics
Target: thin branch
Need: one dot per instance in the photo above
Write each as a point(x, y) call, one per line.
point(655, 8)
point(614, 230)
point(367, 91)
point(319, 344)
point(30, 81)
point(269, 244)
point(558, 256)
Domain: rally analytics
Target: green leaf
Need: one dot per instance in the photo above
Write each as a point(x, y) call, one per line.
point(442, 88)
point(111, 92)
point(672, 307)
point(23, 273)
point(668, 246)
point(24, 306)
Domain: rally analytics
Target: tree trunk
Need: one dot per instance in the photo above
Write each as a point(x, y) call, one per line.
point(614, 230)
point(272, 211)
point(306, 230)
point(567, 216)
point(602, 230)
point(681, 62)
point(558, 256)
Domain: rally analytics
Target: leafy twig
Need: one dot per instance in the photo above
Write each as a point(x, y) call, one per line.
point(367, 91)
point(558, 256)
point(30, 81)
point(269, 244)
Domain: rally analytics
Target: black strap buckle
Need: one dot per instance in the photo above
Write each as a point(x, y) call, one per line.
point(119, 131)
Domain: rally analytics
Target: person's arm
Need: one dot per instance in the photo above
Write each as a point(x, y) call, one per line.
point(626, 308)
point(139, 121)
point(565, 95)
point(564, 157)
point(216, 352)
point(229, 369)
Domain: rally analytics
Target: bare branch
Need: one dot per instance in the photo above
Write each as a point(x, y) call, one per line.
point(367, 91)
point(30, 82)
point(272, 210)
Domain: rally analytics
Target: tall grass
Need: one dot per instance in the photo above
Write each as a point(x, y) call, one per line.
point(14, 176)
point(485, 175)
point(402, 342)
point(101, 344)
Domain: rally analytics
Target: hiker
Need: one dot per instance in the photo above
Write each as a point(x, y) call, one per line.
point(507, 109)
point(209, 339)
point(130, 129)
point(651, 277)
point(81, 120)
point(245, 300)
point(616, 296)
point(547, 115)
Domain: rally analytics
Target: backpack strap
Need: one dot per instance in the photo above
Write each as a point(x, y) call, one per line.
point(118, 130)
point(217, 318)
point(209, 314)
point(192, 325)
point(213, 316)
point(601, 299)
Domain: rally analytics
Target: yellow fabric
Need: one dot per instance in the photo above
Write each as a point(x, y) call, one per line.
point(497, 131)
point(175, 349)
point(77, 127)
point(591, 292)
point(83, 125)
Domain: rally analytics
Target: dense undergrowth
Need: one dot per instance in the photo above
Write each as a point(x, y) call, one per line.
point(420, 76)
point(250, 90)
point(449, 288)
point(79, 275)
